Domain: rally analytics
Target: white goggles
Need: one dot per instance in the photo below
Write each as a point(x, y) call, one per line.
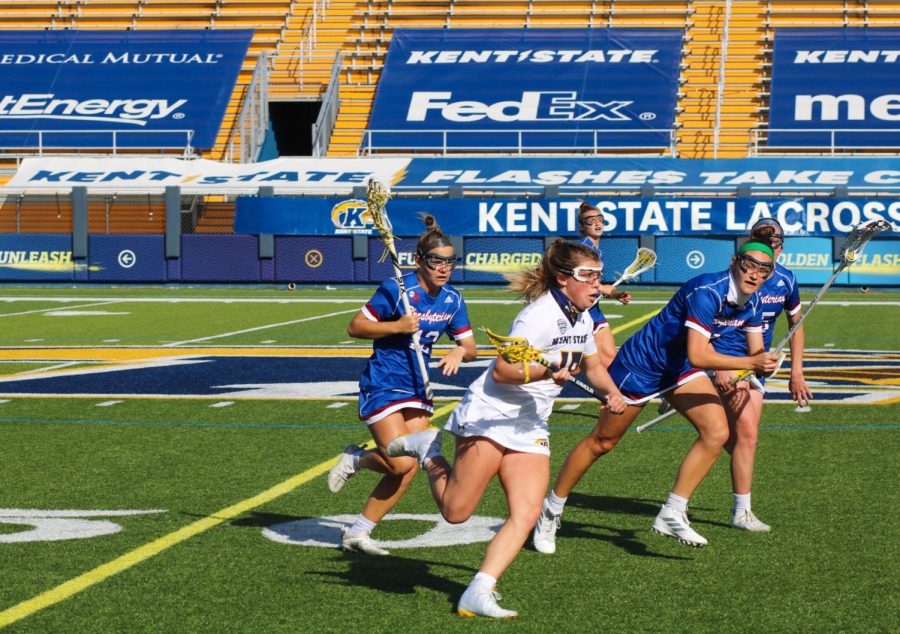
point(586, 274)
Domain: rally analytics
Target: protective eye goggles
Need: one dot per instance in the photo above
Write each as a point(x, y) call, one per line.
point(585, 274)
point(434, 261)
point(749, 264)
point(592, 220)
point(776, 240)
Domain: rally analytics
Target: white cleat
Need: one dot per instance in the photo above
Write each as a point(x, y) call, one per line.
point(362, 544)
point(480, 601)
point(343, 469)
point(420, 445)
point(544, 536)
point(746, 520)
point(675, 524)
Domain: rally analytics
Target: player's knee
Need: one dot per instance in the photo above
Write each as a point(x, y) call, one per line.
point(457, 514)
point(714, 435)
point(599, 445)
point(404, 468)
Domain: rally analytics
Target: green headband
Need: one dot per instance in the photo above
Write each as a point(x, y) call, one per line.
point(757, 246)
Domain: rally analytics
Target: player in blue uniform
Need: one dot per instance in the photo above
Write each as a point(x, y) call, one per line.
point(501, 424)
point(664, 358)
point(392, 400)
point(590, 221)
point(743, 404)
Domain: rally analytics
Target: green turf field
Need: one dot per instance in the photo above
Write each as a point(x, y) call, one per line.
point(160, 402)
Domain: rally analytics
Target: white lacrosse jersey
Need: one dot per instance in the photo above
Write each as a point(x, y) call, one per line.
point(553, 325)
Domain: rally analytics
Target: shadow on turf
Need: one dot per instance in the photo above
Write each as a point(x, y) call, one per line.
point(630, 506)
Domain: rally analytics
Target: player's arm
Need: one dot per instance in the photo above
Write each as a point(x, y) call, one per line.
point(364, 327)
point(610, 291)
point(800, 392)
point(701, 354)
point(465, 350)
point(596, 373)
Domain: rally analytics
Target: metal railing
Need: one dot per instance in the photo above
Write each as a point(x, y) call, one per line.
point(561, 141)
point(39, 142)
point(252, 123)
point(823, 141)
point(331, 103)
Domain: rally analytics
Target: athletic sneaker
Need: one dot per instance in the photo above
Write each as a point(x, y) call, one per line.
point(673, 523)
point(482, 601)
point(747, 521)
point(361, 544)
point(418, 445)
point(343, 469)
point(544, 536)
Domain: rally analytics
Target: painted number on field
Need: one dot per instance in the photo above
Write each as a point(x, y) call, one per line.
point(325, 532)
point(52, 526)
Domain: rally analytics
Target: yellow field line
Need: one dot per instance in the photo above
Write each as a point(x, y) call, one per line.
point(635, 322)
point(142, 553)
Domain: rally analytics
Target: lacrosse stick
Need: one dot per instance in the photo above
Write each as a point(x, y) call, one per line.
point(643, 261)
point(850, 253)
point(377, 195)
point(656, 421)
point(516, 349)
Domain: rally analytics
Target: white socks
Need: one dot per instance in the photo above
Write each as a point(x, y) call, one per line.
point(362, 526)
point(554, 503)
point(677, 502)
point(741, 502)
point(483, 580)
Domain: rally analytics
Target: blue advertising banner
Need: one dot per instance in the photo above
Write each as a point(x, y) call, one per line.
point(300, 259)
point(879, 264)
point(150, 87)
point(37, 257)
point(557, 216)
point(531, 88)
point(126, 258)
point(840, 81)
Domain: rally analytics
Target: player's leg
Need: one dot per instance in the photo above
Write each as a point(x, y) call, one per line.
point(603, 438)
point(697, 401)
point(744, 408)
point(524, 477)
point(398, 473)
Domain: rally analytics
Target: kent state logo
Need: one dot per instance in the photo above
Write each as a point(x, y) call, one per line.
point(352, 217)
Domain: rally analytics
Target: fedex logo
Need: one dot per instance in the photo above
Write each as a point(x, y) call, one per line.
point(533, 106)
point(852, 107)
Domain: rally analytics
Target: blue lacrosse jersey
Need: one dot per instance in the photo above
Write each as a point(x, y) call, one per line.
point(595, 313)
point(655, 357)
point(393, 364)
point(780, 293)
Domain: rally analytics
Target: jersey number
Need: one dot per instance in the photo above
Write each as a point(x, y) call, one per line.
point(570, 359)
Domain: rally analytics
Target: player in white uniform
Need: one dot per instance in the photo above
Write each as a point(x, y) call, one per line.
point(501, 424)
point(392, 400)
point(780, 293)
point(590, 220)
point(663, 358)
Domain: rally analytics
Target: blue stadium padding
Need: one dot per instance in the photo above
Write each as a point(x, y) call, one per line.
point(308, 259)
point(488, 259)
point(219, 258)
point(173, 269)
point(132, 258)
point(267, 270)
point(37, 256)
point(880, 264)
point(680, 259)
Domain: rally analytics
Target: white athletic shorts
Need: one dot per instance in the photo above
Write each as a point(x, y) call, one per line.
point(473, 417)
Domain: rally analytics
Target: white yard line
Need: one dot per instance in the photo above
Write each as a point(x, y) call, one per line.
point(257, 328)
point(50, 310)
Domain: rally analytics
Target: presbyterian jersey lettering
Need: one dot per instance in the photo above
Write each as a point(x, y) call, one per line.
point(655, 357)
point(780, 293)
point(393, 365)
